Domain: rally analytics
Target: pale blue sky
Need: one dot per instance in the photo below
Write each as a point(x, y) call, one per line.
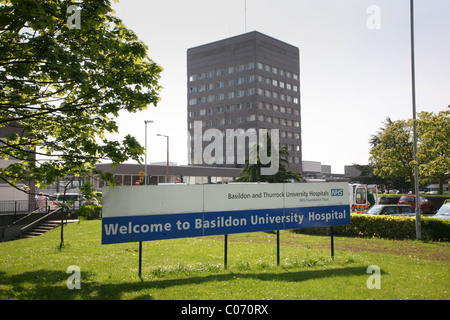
point(351, 77)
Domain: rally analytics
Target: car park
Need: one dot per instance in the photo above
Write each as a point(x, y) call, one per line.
point(443, 212)
point(425, 205)
point(391, 209)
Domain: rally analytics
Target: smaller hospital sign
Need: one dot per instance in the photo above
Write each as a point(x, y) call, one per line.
point(132, 214)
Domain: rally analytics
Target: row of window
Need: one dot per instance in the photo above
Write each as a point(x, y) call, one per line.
point(242, 80)
point(239, 68)
point(294, 160)
point(290, 147)
point(277, 71)
point(221, 72)
point(244, 93)
point(277, 83)
point(222, 84)
point(204, 180)
point(283, 134)
point(130, 180)
point(240, 106)
point(274, 107)
point(230, 159)
point(277, 95)
point(212, 123)
point(223, 96)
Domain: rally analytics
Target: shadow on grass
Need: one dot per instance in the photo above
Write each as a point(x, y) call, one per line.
point(52, 285)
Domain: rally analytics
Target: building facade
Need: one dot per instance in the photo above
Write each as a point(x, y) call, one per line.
point(24, 191)
point(250, 81)
point(131, 174)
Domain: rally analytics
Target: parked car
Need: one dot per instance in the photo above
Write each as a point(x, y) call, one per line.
point(74, 199)
point(391, 209)
point(443, 212)
point(425, 205)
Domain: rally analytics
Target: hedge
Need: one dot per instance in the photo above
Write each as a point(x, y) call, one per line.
point(389, 227)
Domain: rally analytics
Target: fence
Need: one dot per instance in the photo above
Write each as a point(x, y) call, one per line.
point(15, 206)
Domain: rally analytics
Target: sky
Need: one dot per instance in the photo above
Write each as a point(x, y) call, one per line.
point(355, 65)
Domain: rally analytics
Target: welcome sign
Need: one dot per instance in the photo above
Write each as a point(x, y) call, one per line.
point(144, 213)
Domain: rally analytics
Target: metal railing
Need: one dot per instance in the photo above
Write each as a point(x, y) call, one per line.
point(15, 206)
point(39, 221)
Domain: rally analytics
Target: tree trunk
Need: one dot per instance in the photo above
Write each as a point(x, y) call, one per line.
point(413, 186)
point(61, 244)
point(441, 185)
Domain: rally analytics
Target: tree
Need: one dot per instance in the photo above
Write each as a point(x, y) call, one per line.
point(392, 149)
point(393, 154)
point(367, 176)
point(434, 147)
point(63, 87)
point(375, 139)
point(252, 172)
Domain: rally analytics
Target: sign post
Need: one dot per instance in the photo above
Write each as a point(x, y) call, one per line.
point(146, 213)
point(225, 259)
point(332, 242)
point(140, 259)
point(278, 247)
point(142, 177)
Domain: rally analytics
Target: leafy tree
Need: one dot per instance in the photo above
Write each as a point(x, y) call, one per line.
point(434, 147)
point(393, 154)
point(375, 139)
point(63, 88)
point(252, 172)
point(392, 149)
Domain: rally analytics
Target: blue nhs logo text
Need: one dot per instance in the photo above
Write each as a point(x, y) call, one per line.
point(337, 192)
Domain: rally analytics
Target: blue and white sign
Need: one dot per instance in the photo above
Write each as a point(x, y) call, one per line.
point(143, 213)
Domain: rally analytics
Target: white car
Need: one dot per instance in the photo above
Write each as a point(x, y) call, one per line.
point(443, 212)
point(74, 199)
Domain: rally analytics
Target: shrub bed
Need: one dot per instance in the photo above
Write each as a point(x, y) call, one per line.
point(89, 212)
point(389, 227)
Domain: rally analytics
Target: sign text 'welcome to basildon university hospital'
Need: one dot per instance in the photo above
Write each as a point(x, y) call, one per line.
point(144, 213)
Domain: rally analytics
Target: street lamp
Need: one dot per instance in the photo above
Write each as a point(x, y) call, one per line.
point(145, 165)
point(167, 161)
point(145, 181)
point(416, 162)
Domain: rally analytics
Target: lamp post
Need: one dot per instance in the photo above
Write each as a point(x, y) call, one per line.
point(145, 165)
point(416, 163)
point(145, 181)
point(167, 161)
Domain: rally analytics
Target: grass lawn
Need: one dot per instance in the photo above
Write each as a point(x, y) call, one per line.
point(193, 268)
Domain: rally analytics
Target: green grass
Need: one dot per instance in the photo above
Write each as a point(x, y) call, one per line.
point(193, 268)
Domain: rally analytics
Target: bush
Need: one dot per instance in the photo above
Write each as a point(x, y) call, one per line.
point(90, 212)
point(436, 229)
point(389, 227)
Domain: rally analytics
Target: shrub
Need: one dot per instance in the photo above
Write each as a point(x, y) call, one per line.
point(389, 227)
point(436, 229)
point(90, 212)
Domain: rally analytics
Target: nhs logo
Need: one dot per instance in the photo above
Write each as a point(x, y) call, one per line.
point(337, 192)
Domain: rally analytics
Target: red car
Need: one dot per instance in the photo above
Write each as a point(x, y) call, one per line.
point(425, 205)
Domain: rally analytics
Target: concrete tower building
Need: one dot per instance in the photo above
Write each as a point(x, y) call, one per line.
point(247, 81)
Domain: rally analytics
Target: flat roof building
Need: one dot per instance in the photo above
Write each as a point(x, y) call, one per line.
point(250, 81)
